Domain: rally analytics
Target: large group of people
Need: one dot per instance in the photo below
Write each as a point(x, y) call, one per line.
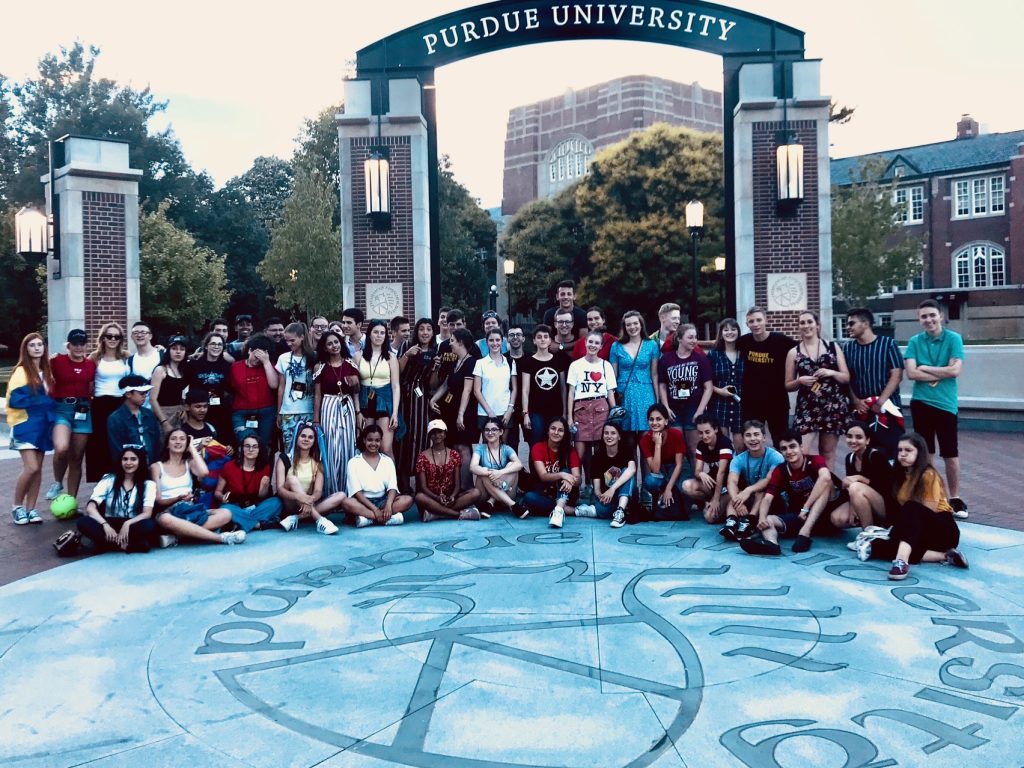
point(380, 422)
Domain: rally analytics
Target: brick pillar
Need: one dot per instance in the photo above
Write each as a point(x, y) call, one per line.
point(385, 272)
point(783, 261)
point(98, 196)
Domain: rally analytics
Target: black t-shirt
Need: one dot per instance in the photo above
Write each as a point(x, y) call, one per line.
point(722, 451)
point(764, 367)
point(448, 360)
point(876, 469)
point(199, 434)
point(545, 388)
point(607, 469)
point(211, 376)
point(456, 381)
point(579, 320)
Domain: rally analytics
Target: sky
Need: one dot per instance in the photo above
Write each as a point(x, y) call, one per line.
point(241, 77)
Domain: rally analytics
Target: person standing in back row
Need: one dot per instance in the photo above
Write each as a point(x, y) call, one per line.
point(565, 294)
point(935, 359)
point(764, 373)
point(876, 370)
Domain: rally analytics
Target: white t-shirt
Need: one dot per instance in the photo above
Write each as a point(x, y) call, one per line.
point(144, 365)
point(591, 380)
point(372, 482)
point(495, 379)
point(108, 373)
point(104, 494)
point(297, 399)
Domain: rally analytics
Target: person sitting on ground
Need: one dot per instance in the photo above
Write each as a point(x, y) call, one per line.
point(925, 530)
point(748, 478)
point(244, 487)
point(176, 478)
point(299, 477)
point(373, 484)
point(120, 511)
point(613, 469)
point(807, 484)
point(868, 481)
point(132, 424)
point(709, 483)
point(440, 493)
point(662, 449)
point(556, 469)
point(496, 468)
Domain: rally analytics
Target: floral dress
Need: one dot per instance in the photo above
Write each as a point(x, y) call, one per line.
point(823, 407)
point(635, 382)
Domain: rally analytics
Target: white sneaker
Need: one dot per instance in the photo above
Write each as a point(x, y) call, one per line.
point(396, 519)
point(290, 523)
point(362, 522)
point(864, 550)
point(326, 527)
point(55, 490)
point(167, 541)
point(235, 537)
point(556, 518)
point(586, 510)
point(618, 518)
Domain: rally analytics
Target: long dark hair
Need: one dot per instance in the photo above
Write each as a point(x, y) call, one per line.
point(323, 356)
point(166, 455)
point(465, 338)
point(416, 333)
point(916, 473)
point(565, 445)
point(726, 322)
point(385, 350)
point(138, 479)
point(261, 453)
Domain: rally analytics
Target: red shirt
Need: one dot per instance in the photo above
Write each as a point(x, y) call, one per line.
point(72, 379)
point(250, 387)
point(797, 483)
point(672, 446)
point(244, 486)
point(542, 453)
point(580, 347)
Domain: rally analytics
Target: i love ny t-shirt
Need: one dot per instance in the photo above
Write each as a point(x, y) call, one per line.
point(591, 380)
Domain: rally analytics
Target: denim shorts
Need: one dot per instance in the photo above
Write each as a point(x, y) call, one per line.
point(64, 415)
point(189, 511)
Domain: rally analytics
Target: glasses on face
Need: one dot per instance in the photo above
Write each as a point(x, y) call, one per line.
point(140, 333)
point(250, 446)
point(516, 334)
point(563, 322)
point(319, 327)
point(112, 336)
point(492, 429)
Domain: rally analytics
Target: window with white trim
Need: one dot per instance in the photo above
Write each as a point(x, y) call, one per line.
point(984, 196)
point(909, 202)
point(570, 159)
point(979, 266)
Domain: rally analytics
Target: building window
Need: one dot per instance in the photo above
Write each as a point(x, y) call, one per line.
point(909, 202)
point(979, 197)
point(980, 266)
point(569, 159)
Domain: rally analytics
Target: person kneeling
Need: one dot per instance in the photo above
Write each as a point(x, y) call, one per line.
point(710, 475)
point(439, 480)
point(126, 498)
point(176, 511)
point(496, 468)
point(373, 484)
point(300, 484)
point(614, 469)
point(808, 485)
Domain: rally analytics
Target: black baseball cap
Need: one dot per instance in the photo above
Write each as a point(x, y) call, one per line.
point(77, 336)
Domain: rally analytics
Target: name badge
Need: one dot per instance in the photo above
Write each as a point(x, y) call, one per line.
point(214, 401)
point(251, 422)
point(81, 415)
point(683, 394)
point(298, 390)
point(417, 391)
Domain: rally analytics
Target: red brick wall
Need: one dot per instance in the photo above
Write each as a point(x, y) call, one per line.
point(383, 256)
point(1015, 212)
point(104, 253)
point(784, 244)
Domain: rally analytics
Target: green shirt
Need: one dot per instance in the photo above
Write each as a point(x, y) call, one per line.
point(938, 352)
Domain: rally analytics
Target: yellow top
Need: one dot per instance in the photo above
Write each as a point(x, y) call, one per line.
point(305, 471)
point(932, 488)
point(377, 374)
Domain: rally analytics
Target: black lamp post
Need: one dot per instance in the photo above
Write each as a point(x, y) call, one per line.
point(695, 223)
point(510, 270)
point(494, 298)
point(720, 269)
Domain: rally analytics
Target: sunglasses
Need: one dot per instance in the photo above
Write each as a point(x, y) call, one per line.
point(112, 337)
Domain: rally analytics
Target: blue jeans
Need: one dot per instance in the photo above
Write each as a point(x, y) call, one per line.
point(655, 483)
point(606, 510)
point(265, 418)
point(541, 504)
point(247, 517)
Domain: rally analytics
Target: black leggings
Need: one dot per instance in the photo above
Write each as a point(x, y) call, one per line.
point(923, 529)
point(141, 535)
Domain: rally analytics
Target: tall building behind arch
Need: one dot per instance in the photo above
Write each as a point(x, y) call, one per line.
point(549, 144)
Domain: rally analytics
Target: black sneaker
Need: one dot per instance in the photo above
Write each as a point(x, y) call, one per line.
point(68, 544)
point(758, 545)
point(959, 508)
point(802, 544)
point(956, 558)
point(728, 530)
point(745, 528)
point(519, 511)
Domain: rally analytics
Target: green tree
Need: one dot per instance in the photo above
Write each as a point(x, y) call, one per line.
point(21, 300)
point(182, 284)
point(871, 250)
point(265, 187)
point(468, 236)
point(548, 242)
point(8, 146)
point(317, 150)
point(632, 203)
point(303, 265)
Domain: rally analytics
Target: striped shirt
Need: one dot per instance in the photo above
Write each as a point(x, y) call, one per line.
point(870, 365)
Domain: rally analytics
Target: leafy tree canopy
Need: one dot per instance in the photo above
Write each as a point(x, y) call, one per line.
point(265, 187)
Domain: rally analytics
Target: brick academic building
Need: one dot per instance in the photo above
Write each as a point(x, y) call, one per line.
point(549, 144)
point(965, 199)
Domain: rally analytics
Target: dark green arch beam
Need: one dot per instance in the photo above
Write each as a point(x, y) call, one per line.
point(737, 36)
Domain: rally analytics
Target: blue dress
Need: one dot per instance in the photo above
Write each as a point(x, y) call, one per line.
point(634, 380)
